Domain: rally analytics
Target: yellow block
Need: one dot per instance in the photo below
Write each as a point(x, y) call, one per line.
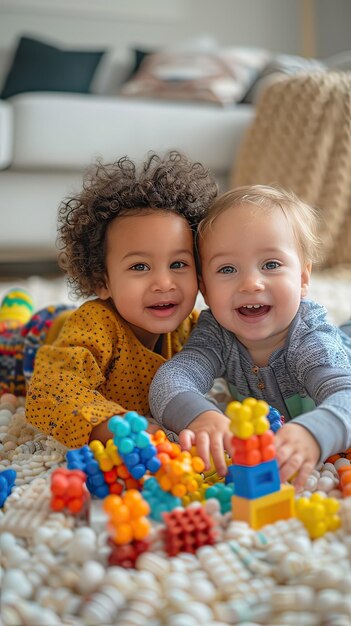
point(265, 510)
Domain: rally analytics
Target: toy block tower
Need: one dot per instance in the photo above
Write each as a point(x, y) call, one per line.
point(259, 497)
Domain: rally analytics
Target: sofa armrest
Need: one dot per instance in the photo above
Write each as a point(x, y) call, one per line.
point(6, 134)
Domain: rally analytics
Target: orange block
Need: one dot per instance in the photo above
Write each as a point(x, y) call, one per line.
point(251, 457)
point(256, 449)
point(265, 510)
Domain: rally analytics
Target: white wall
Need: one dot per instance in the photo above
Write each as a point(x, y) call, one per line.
point(120, 24)
point(333, 26)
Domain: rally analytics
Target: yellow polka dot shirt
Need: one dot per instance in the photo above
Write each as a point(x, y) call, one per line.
point(96, 368)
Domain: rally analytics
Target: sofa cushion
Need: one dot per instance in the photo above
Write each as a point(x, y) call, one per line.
point(221, 77)
point(79, 127)
point(38, 66)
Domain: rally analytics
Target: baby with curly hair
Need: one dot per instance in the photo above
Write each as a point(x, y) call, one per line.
point(127, 243)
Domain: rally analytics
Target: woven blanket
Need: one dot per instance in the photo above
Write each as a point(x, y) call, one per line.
point(301, 140)
point(55, 567)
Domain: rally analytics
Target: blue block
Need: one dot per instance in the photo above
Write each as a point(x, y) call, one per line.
point(7, 481)
point(254, 481)
point(274, 418)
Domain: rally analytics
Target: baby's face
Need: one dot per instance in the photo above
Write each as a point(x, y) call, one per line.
point(151, 275)
point(252, 275)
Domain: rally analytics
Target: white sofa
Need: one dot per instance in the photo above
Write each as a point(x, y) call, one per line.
point(48, 139)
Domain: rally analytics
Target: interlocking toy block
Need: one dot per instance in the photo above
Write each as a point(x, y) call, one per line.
point(78, 459)
point(117, 476)
point(255, 481)
point(96, 482)
point(181, 475)
point(223, 493)
point(199, 494)
point(134, 444)
point(164, 446)
point(248, 418)
point(180, 471)
point(105, 470)
point(7, 481)
point(142, 460)
point(265, 510)
point(129, 432)
point(188, 529)
point(254, 450)
point(318, 514)
point(68, 490)
point(127, 517)
point(127, 554)
point(345, 480)
point(159, 501)
point(107, 456)
point(275, 419)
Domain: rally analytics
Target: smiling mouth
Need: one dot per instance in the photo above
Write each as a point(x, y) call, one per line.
point(162, 307)
point(253, 310)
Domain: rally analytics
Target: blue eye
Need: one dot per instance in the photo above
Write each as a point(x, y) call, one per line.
point(177, 265)
point(271, 265)
point(227, 269)
point(140, 267)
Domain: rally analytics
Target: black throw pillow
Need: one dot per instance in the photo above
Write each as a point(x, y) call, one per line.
point(38, 66)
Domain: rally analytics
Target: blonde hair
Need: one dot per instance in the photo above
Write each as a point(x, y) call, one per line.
point(302, 217)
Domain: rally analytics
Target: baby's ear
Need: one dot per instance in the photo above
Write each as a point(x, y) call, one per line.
point(305, 279)
point(103, 291)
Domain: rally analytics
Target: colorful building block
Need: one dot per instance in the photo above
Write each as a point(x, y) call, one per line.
point(255, 481)
point(96, 482)
point(318, 514)
point(68, 490)
point(345, 480)
point(275, 419)
point(223, 493)
point(255, 449)
point(79, 458)
point(127, 554)
point(7, 481)
point(127, 517)
point(134, 444)
point(248, 418)
point(188, 529)
point(159, 501)
point(266, 509)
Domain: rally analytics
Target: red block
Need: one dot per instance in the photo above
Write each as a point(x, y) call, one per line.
point(186, 530)
point(255, 450)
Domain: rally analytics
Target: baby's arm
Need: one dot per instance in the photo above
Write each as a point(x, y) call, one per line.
point(101, 432)
point(177, 393)
point(321, 364)
point(62, 399)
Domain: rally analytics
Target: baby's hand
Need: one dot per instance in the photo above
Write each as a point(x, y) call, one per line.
point(211, 435)
point(297, 451)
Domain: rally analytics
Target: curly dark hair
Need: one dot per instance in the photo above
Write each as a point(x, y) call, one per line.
point(171, 183)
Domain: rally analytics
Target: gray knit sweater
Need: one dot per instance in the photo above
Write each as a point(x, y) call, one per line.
point(308, 379)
